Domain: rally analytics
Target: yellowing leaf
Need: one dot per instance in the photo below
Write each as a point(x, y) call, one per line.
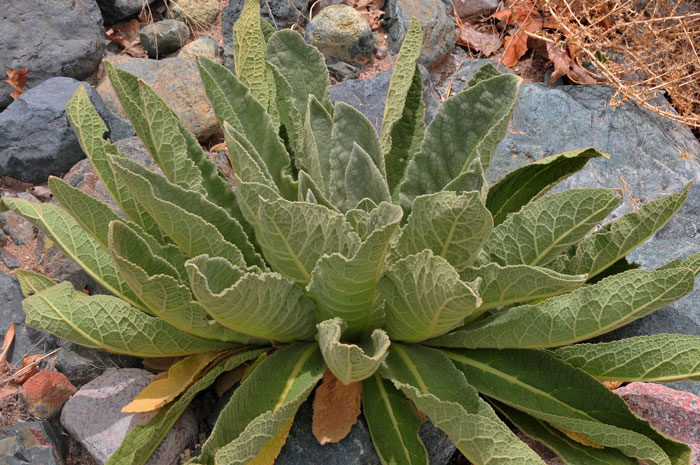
point(336, 407)
point(180, 376)
point(578, 437)
point(272, 448)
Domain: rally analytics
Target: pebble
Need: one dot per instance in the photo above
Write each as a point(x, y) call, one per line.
point(197, 13)
point(163, 37)
point(341, 33)
point(45, 393)
point(204, 46)
point(30, 443)
point(94, 418)
point(9, 259)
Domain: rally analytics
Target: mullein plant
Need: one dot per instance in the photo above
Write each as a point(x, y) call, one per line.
point(382, 263)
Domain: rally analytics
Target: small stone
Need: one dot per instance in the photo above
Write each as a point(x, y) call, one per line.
point(341, 71)
point(197, 13)
point(83, 364)
point(93, 417)
point(177, 82)
point(469, 8)
point(9, 259)
point(340, 32)
point(204, 46)
point(115, 10)
point(164, 37)
point(35, 443)
point(45, 393)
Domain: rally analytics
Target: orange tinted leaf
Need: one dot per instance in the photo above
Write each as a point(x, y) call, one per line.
point(17, 78)
point(180, 377)
point(505, 15)
point(515, 48)
point(127, 36)
point(7, 342)
point(336, 407)
point(483, 42)
point(272, 448)
point(564, 65)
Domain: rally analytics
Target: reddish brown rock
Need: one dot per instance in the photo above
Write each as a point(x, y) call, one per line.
point(45, 393)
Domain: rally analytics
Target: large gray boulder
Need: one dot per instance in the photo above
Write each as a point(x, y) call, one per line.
point(50, 38)
point(37, 140)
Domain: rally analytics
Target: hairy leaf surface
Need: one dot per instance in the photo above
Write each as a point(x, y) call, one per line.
point(107, 322)
point(424, 298)
point(262, 305)
point(249, 51)
point(545, 228)
point(659, 358)
point(363, 179)
point(351, 362)
point(263, 403)
point(393, 423)
point(582, 314)
point(454, 226)
point(32, 282)
point(439, 390)
point(521, 186)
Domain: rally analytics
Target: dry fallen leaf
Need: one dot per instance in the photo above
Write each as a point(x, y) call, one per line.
point(220, 147)
point(336, 407)
point(515, 48)
point(469, 36)
point(7, 342)
point(40, 192)
point(564, 65)
point(30, 367)
point(227, 380)
point(612, 385)
point(127, 36)
point(17, 78)
point(370, 10)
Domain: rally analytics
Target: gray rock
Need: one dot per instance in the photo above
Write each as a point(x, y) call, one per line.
point(83, 364)
point(467, 8)
point(94, 418)
point(30, 443)
point(50, 38)
point(341, 33)
point(647, 151)
point(177, 82)
point(17, 227)
point(204, 46)
point(37, 140)
point(439, 35)
point(197, 13)
point(164, 37)
point(115, 10)
point(27, 340)
point(9, 259)
point(369, 95)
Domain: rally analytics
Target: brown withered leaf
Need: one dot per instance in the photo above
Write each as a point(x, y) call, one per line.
point(227, 380)
point(612, 385)
point(370, 10)
point(7, 342)
point(564, 65)
point(336, 408)
point(40, 192)
point(160, 363)
point(30, 367)
point(484, 42)
point(515, 48)
point(17, 78)
point(127, 36)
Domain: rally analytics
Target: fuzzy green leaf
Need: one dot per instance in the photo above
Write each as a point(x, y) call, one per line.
point(303, 66)
point(454, 226)
point(158, 285)
point(265, 401)
point(570, 451)
point(350, 362)
point(182, 221)
point(249, 52)
point(393, 423)
point(318, 125)
point(660, 358)
point(245, 160)
point(106, 322)
point(545, 387)
point(262, 305)
point(424, 298)
point(307, 186)
point(90, 129)
point(487, 71)
point(616, 239)
point(452, 141)
point(441, 391)
point(507, 285)
point(347, 288)
point(350, 127)
point(546, 227)
point(582, 314)
point(31, 282)
point(234, 104)
point(363, 180)
point(529, 182)
point(290, 117)
point(77, 244)
point(142, 440)
point(294, 235)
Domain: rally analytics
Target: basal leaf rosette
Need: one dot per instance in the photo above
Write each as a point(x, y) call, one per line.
point(381, 265)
